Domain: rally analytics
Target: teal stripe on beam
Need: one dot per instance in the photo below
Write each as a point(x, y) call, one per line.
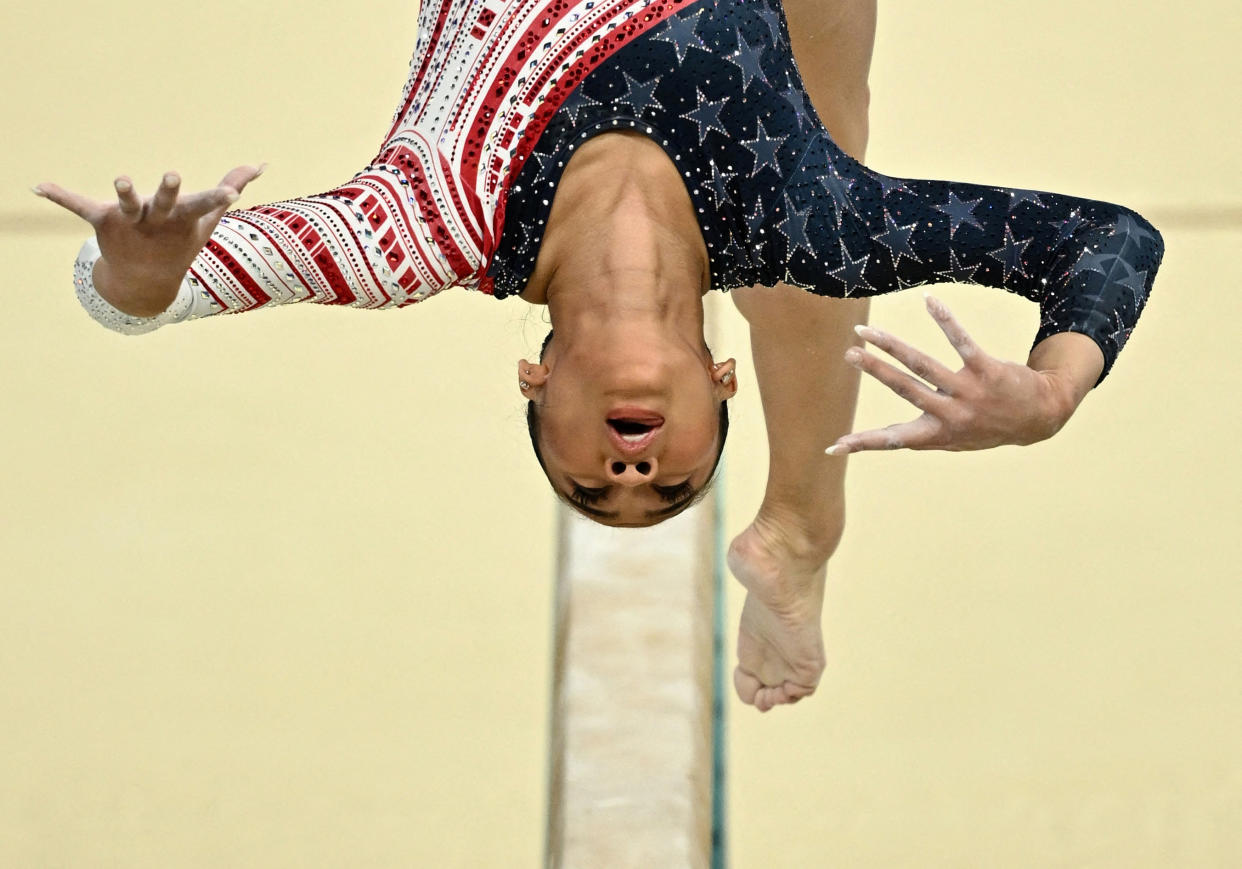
point(720, 840)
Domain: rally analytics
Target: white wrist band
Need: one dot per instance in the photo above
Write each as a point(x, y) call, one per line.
point(118, 321)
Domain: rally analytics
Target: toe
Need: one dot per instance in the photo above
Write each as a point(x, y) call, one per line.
point(785, 694)
point(774, 697)
point(794, 693)
point(746, 685)
point(768, 698)
point(763, 699)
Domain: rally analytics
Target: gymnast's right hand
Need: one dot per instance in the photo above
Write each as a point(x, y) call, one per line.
point(148, 243)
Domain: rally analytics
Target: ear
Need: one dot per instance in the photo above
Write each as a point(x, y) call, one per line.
point(724, 379)
point(531, 378)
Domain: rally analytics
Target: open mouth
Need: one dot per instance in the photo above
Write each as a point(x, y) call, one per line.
point(634, 428)
point(631, 430)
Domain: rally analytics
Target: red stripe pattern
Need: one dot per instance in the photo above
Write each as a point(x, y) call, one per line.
point(425, 215)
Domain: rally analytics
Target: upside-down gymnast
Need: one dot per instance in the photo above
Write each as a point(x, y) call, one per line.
point(615, 160)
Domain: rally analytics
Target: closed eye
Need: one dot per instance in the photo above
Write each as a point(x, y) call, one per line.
point(586, 497)
point(673, 494)
point(676, 498)
point(668, 494)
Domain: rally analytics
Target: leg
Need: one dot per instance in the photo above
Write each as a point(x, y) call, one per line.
point(809, 394)
point(832, 42)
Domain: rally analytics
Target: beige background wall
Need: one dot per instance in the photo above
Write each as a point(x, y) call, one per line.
point(275, 590)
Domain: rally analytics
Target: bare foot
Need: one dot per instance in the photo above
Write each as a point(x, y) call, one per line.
point(780, 646)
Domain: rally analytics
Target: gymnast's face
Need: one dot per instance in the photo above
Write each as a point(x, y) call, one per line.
point(629, 434)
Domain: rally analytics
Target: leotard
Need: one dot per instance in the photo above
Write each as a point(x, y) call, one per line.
point(500, 94)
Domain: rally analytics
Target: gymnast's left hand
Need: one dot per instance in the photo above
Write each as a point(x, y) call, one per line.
point(989, 402)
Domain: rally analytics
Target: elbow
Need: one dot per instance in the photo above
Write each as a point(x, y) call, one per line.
point(1150, 255)
point(1157, 248)
point(1144, 239)
point(1141, 247)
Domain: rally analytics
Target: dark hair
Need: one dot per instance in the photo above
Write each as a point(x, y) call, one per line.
point(532, 426)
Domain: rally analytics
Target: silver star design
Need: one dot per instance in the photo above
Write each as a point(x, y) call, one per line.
point(1067, 227)
point(888, 185)
point(1017, 197)
point(897, 240)
point(1115, 269)
point(1136, 281)
point(960, 211)
point(523, 246)
point(774, 26)
point(755, 219)
point(707, 115)
point(1090, 261)
point(796, 222)
point(536, 159)
point(678, 32)
point(583, 101)
point(1132, 230)
point(765, 150)
point(719, 183)
point(1010, 256)
point(851, 273)
point(731, 252)
point(797, 99)
point(840, 189)
point(956, 272)
point(639, 96)
point(749, 55)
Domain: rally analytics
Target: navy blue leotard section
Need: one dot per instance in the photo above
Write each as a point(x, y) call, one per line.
point(717, 87)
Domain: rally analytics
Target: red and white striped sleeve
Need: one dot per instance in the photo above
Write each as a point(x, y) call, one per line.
point(363, 245)
point(485, 80)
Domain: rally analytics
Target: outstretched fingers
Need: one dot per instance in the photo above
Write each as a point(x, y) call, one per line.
point(165, 199)
point(953, 330)
point(208, 201)
point(128, 199)
point(238, 178)
point(214, 203)
point(90, 210)
point(928, 431)
point(167, 204)
point(935, 404)
point(924, 366)
point(922, 433)
point(910, 388)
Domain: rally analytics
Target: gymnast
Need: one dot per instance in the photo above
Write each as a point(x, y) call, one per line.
point(614, 160)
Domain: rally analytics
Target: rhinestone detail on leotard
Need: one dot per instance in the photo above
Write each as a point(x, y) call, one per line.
point(717, 88)
point(501, 94)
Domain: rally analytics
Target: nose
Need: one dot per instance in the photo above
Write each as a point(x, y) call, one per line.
point(631, 473)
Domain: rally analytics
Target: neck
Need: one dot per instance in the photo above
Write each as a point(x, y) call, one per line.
point(622, 250)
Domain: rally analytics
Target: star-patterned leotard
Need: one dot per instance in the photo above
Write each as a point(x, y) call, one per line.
point(501, 93)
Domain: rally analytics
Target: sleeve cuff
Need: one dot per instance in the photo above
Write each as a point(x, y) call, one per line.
point(106, 314)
